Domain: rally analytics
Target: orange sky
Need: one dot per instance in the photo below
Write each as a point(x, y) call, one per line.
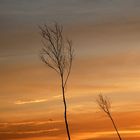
point(107, 47)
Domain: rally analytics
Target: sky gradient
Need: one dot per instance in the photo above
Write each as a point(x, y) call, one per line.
point(106, 38)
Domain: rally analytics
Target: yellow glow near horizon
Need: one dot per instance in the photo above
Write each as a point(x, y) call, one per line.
point(130, 133)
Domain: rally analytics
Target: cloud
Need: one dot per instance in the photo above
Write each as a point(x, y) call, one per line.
point(31, 132)
point(30, 129)
point(81, 129)
point(105, 134)
point(22, 102)
point(33, 123)
point(19, 102)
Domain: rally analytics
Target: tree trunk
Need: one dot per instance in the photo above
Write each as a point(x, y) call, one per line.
point(65, 109)
point(115, 127)
point(65, 113)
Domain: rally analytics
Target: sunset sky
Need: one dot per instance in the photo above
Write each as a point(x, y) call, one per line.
point(106, 39)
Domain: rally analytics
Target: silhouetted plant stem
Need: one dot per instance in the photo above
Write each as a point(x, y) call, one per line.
point(65, 113)
point(57, 54)
point(104, 104)
point(114, 125)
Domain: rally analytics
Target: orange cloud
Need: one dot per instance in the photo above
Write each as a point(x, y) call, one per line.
point(30, 101)
point(21, 102)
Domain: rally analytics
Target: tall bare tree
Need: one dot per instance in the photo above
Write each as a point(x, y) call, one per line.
point(57, 54)
point(104, 104)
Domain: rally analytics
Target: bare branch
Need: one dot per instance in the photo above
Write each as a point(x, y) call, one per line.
point(48, 64)
point(105, 105)
point(57, 54)
point(58, 51)
point(70, 50)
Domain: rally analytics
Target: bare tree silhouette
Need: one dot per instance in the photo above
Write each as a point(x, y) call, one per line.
point(57, 54)
point(104, 104)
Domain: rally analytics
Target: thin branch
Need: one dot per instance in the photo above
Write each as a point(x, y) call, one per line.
point(105, 105)
point(48, 64)
point(70, 61)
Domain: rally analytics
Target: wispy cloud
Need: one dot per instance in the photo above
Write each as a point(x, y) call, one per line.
point(29, 129)
point(105, 134)
point(33, 123)
point(22, 102)
point(30, 132)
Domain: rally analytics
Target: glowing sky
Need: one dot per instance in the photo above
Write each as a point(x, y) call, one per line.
point(106, 37)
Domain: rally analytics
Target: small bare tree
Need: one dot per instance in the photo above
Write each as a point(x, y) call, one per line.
point(57, 54)
point(104, 104)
